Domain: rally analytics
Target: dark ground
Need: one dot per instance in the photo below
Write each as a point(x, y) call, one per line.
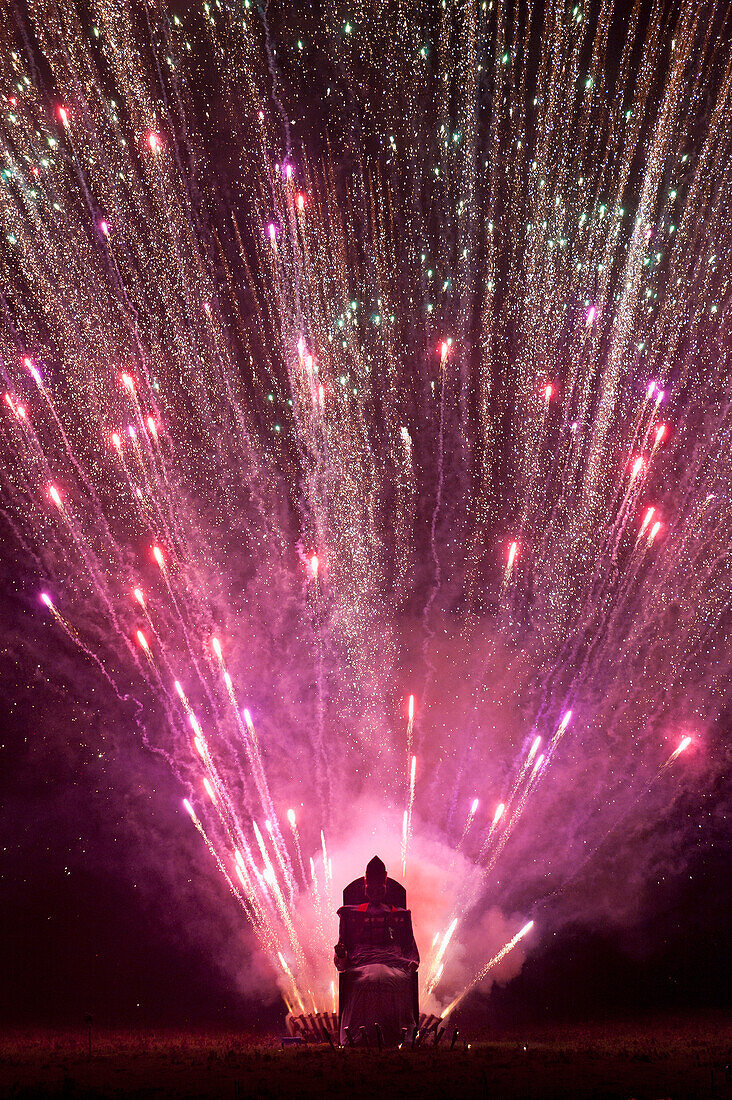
point(666, 1059)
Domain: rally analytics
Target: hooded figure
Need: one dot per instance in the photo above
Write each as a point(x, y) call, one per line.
point(375, 880)
point(378, 956)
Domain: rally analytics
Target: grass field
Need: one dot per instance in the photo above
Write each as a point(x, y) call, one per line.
point(655, 1060)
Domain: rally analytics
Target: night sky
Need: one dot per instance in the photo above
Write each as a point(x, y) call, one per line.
point(452, 505)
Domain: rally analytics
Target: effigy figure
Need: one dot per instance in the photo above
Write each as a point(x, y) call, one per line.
point(377, 958)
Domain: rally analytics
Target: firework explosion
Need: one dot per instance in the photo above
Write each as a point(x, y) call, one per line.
point(367, 428)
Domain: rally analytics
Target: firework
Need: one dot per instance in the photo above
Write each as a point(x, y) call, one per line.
point(240, 405)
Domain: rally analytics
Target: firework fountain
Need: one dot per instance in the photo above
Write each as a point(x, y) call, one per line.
point(367, 431)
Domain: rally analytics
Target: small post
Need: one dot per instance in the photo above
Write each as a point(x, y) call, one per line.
point(415, 1033)
point(349, 1037)
point(379, 1037)
point(88, 1022)
point(365, 1035)
point(439, 1032)
point(455, 1037)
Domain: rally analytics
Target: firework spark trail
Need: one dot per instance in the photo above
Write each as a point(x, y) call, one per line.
point(407, 827)
point(199, 827)
point(468, 822)
point(323, 771)
point(500, 811)
point(485, 970)
point(91, 563)
point(298, 850)
point(428, 631)
point(434, 967)
point(71, 633)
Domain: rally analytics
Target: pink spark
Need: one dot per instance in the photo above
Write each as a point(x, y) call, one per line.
point(153, 141)
point(34, 372)
point(513, 551)
point(158, 555)
point(651, 390)
point(636, 468)
point(128, 382)
point(152, 427)
point(216, 647)
point(410, 707)
point(189, 809)
point(143, 642)
point(444, 349)
point(499, 812)
point(301, 202)
point(474, 807)
point(654, 531)
point(548, 393)
point(63, 114)
point(55, 497)
point(314, 565)
point(272, 230)
point(139, 596)
point(647, 519)
point(591, 314)
point(660, 433)
point(104, 228)
point(116, 442)
point(46, 599)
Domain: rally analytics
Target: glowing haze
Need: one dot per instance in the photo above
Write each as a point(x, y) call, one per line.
point(332, 434)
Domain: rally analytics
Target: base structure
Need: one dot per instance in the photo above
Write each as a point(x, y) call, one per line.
point(313, 1027)
point(322, 1027)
